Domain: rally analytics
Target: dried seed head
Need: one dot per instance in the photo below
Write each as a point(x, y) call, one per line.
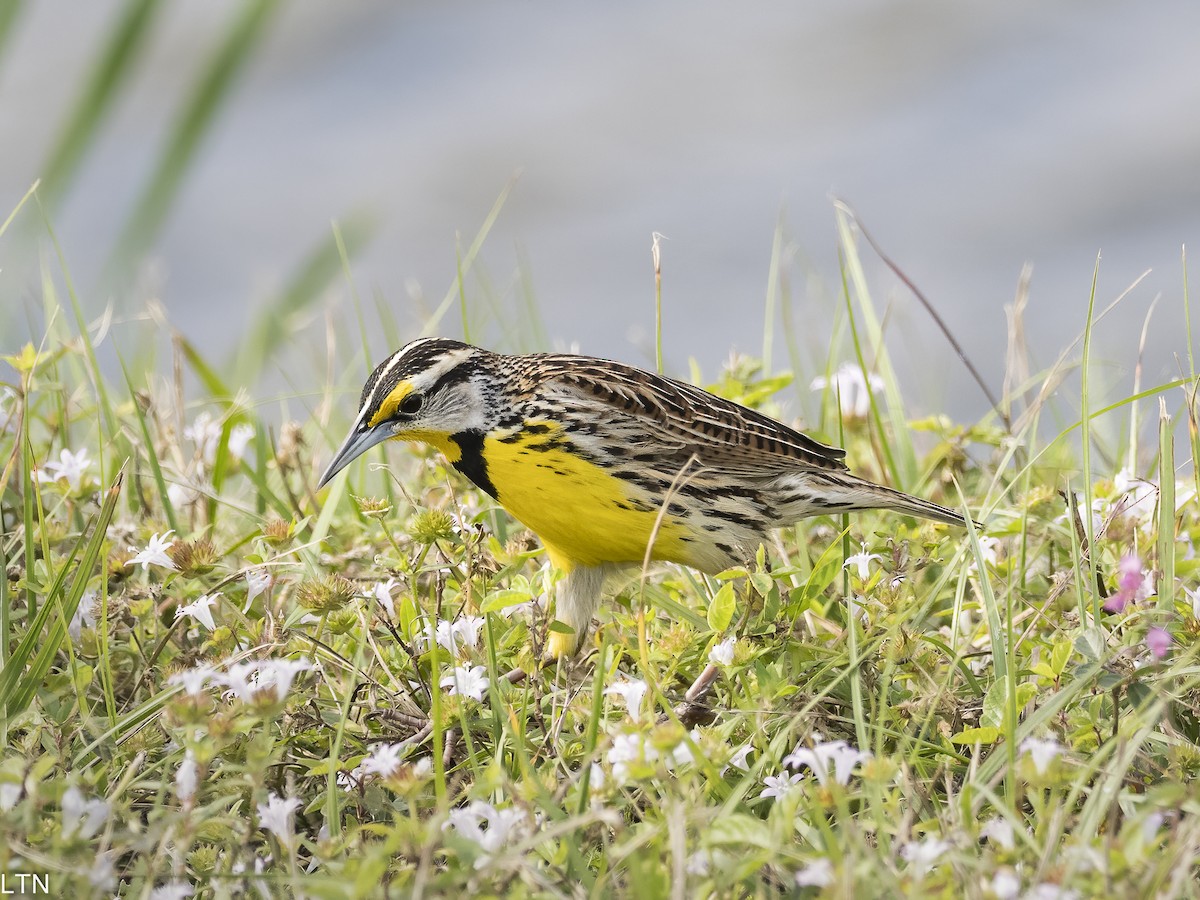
point(372, 507)
point(431, 525)
point(278, 532)
point(326, 595)
point(194, 558)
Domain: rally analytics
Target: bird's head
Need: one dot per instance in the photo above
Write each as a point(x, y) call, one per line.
point(427, 391)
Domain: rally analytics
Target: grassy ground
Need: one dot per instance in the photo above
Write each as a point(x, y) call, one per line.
point(216, 681)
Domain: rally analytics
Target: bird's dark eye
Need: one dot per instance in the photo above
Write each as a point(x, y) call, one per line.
point(412, 404)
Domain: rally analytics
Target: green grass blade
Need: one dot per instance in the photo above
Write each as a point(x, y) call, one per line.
point(102, 86)
point(198, 113)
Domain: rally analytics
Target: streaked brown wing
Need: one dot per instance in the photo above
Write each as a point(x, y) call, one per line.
point(722, 434)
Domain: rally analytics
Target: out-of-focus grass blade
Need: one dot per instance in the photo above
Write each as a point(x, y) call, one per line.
point(207, 374)
point(151, 456)
point(18, 685)
point(198, 113)
point(1166, 508)
point(271, 327)
point(8, 15)
point(101, 89)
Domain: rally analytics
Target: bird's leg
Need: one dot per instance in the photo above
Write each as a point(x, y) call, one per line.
point(576, 598)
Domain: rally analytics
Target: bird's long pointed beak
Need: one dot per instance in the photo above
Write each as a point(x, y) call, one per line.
point(356, 444)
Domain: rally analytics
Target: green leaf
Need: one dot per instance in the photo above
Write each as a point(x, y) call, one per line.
point(985, 735)
point(738, 828)
point(994, 703)
point(503, 599)
point(560, 627)
point(720, 610)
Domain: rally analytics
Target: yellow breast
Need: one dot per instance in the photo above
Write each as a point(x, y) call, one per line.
point(584, 514)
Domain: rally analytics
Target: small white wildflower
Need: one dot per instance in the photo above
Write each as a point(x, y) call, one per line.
point(186, 778)
point(155, 553)
point(851, 388)
point(423, 767)
point(502, 825)
point(383, 596)
point(466, 629)
point(1006, 884)
point(861, 562)
point(194, 680)
point(1150, 826)
point(923, 855)
point(10, 793)
point(102, 875)
point(596, 777)
point(82, 818)
point(1042, 751)
point(989, 550)
point(626, 750)
point(470, 681)
point(85, 615)
point(240, 437)
point(699, 863)
point(172, 890)
point(180, 495)
point(738, 760)
point(1000, 832)
point(778, 785)
point(199, 609)
point(383, 760)
point(238, 680)
point(818, 873)
point(257, 581)
point(722, 653)
point(275, 816)
point(70, 466)
point(205, 434)
point(278, 674)
point(1193, 597)
point(836, 758)
point(631, 691)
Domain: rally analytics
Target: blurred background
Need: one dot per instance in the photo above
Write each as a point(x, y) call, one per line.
point(196, 152)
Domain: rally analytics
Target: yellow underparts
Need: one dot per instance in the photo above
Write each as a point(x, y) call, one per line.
point(582, 512)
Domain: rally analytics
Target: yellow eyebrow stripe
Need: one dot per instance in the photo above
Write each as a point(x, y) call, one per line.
point(390, 403)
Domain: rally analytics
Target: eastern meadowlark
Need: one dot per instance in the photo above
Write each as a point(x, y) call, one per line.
point(605, 461)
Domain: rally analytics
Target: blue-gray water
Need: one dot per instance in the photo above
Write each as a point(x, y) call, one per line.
point(972, 138)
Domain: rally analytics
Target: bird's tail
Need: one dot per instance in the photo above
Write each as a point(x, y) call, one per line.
point(817, 493)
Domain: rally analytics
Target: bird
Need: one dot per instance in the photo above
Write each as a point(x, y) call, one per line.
point(608, 464)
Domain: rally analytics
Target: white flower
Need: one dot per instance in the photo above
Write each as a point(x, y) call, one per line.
point(1193, 597)
point(180, 495)
point(989, 550)
point(1150, 826)
point(631, 691)
point(71, 466)
point(155, 553)
point(627, 749)
point(1134, 497)
point(186, 777)
point(194, 680)
point(699, 862)
point(383, 760)
point(239, 437)
point(722, 653)
point(778, 785)
point(102, 875)
point(85, 615)
point(851, 388)
point(9, 795)
point(257, 581)
point(861, 561)
point(238, 680)
point(836, 755)
point(1042, 752)
point(1000, 832)
point(205, 434)
point(467, 628)
point(278, 675)
point(383, 596)
point(816, 874)
point(1006, 884)
point(502, 825)
point(172, 890)
point(275, 816)
point(470, 681)
point(924, 854)
point(199, 610)
point(595, 777)
point(738, 760)
point(82, 818)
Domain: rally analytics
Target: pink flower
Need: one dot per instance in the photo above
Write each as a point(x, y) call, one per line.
point(1129, 582)
point(1158, 642)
